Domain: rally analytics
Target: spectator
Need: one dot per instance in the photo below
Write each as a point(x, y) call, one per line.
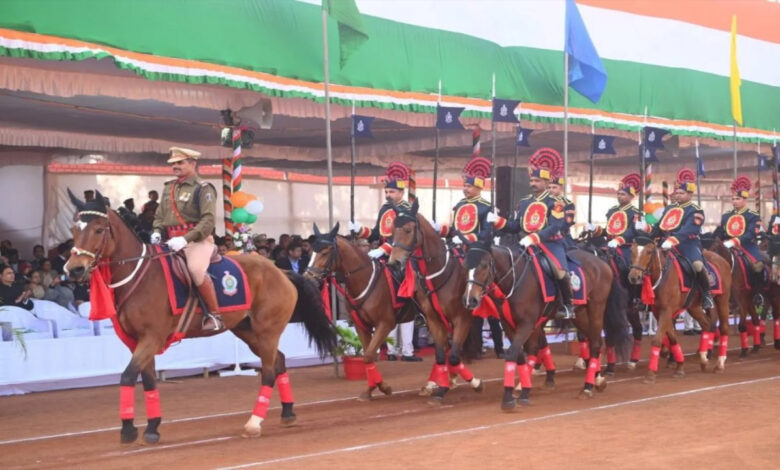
point(63, 253)
point(306, 245)
point(271, 244)
point(146, 218)
point(53, 281)
point(38, 256)
point(127, 213)
point(293, 261)
point(20, 267)
point(80, 293)
point(279, 250)
point(222, 249)
point(11, 292)
point(37, 290)
point(89, 195)
point(262, 250)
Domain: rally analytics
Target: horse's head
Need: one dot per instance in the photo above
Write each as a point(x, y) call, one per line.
point(325, 253)
point(406, 235)
point(92, 237)
point(481, 272)
point(642, 255)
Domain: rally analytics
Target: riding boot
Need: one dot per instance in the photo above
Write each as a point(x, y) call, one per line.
point(212, 320)
point(758, 286)
point(706, 293)
point(566, 311)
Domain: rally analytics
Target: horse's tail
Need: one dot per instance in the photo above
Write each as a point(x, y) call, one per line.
point(309, 308)
point(616, 321)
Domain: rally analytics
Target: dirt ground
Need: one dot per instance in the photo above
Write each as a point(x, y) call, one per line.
point(704, 420)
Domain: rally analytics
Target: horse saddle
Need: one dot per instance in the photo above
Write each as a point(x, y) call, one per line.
point(749, 276)
point(179, 266)
point(687, 275)
point(547, 275)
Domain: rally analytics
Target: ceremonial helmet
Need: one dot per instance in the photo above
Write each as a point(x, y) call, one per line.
point(545, 163)
point(741, 186)
point(397, 175)
point(476, 171)
point(630, 184)
point(686, 180)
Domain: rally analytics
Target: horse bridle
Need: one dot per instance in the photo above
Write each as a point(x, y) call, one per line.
point(513, 265)
point(646, 270)
point(333, 261)
point(99, 251)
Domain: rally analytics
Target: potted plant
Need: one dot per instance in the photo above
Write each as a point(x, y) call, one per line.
point(350, 350)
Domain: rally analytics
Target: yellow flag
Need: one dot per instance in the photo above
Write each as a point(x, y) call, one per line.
point(735, 81)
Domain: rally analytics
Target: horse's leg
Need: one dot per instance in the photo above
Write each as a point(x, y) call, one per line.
point(664, 323)
point(515, 363)
point(774, 295)
point(593, 327)
point(263, 345)
point(705, 321)
point(722, 304)
point(461, 330)
point(440, 373)
point(742, 327)
point(676, 353)
point(754, 326)
point(582, 361)
point(152, 401)
point(142, 356)
point(545, 357)
point(636, 331)
point(371, 344)
point(285, 389)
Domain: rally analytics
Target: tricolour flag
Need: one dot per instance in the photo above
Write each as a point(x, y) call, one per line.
point(734, 80)
point(521, 140)
point(504, 110)
point(352, 31)
point(361, 126)
point(447, 117)
point(587, 74)
point(603, 144)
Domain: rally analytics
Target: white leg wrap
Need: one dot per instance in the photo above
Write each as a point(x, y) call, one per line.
point(475, 382)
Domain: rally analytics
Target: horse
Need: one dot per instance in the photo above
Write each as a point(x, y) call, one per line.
point(104, 243)
point(372, 303)
point(418, 251)
point(651, 267)
point(492, 268)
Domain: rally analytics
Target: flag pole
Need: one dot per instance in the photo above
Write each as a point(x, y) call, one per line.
point(642, 167)
point(352, 167)
point(328, 150)
point(735, 150)
point(590, 179)
point(699, 165)
point(775, 192)
point(512, 178)
point(436, 159)
point(758, 179)
point(493, 151)
point(565, 121)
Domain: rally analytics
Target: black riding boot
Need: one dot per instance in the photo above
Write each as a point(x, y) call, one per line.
point(566, 311)
point(758, 286)
point(706, 293)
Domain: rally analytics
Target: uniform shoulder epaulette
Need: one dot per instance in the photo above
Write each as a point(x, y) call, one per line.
point(405, 204)
point(527, 197)
point(696, 206)
point(483, 201)
point(171, 181)
point(752, 212)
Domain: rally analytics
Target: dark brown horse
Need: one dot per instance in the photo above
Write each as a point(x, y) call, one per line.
point(652, 267)
point(370, 299)
point(102, 239)
point(513, 272)
point(438, 279)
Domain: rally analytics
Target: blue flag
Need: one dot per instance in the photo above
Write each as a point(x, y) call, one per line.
point(447, 117)
point(603, 144)
point(522, 137)
point(649, 156)
point(587, 74)
point(504, 110)
point(654, 137)
point(700, 166)
point(361, 126)
point(776, 151)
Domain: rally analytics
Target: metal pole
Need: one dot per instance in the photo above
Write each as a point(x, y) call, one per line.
point(735, 150)
point(328, 149)
point(698, 183)
point(436, 160)
point(590, 179)
point(642, 166)
point(565, 121)
point(493, 151)
point(512, 179)
point(758, 180)
point(352, 167)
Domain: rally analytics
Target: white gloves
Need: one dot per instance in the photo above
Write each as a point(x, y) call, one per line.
point(590, 227)
point(176, 243)
point(613, 244)
point(156, 238)
point(491, 217)
point(376, 253)
point(456, 240)
point(436, 226)
point(729, 244)
point(354, 226)
point(640, 225)
point(666, 245)
point(526, 241)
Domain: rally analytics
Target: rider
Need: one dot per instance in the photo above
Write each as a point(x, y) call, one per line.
point(621, 218)
point(470, 212)
point(680, 226)
point(186, 218)
point(741, 227)
point(556, 189)
point(541, 218)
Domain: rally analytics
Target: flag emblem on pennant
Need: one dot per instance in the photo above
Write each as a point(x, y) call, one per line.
point(362, 125)
point(447, 117)
point(522, 137)
point(603, 144)
point(504, 110)
point(654, 137)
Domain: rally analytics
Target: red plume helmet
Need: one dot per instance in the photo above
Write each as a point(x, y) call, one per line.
point(545, 163)
point(741, 186)
point(476, 171)
point(397, 175)
point(686, 180)
point(631, 184)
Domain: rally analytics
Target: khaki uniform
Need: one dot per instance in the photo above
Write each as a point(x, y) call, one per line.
point(179, 214)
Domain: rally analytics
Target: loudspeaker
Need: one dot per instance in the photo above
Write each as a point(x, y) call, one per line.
point(509, 192)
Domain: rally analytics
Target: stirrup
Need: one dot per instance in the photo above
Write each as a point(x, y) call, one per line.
point(565, 313)
point(758, 299)
point(707, 302)
point(213, 321)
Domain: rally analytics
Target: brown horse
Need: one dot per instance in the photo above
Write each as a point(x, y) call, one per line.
point(653, 267)
point(370, 299)
point(513, 272)
point(102, 239)
point(419, 252)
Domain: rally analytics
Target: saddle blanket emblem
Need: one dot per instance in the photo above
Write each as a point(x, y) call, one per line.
point(535, 217)
point(576, 282)
point(229, 284)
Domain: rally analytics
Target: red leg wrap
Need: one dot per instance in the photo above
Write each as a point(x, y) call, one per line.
point(637, 351)
point(665, 342)
point(263, 400)
point(434, 373)
point(756, 335)
point(611, 356)
point(593, 367)
point(509, 374)
point(724, 346)
point(524, 372)
point(285, 388)
point(442, 375)
point(463, 371)
point(585, 350)
point(152, 398)
point(777, 329)
point(655, 355)
point(126, 402)
point(677, 353)
point(711, 339)
point(549, 364)
point(370, 375)
point(743, 339)
point(532, 360)
point(717, 334)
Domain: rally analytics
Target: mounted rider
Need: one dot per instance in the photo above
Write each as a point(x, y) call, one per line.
point(680, 227)
point(186, 218)
point(469, 214)
point(541, 217)
point(740, 228)
point(620, 230)
point(556, 187)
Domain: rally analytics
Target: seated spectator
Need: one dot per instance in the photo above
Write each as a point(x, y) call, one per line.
point(127, 213)
point(81, 293)
point(293, 261)
point(11, 292)
point(55, 285)
point(20, 267)
point(280, 250)
point(306, 245)
point(37, 290)
point(38, 256)
point(262, 250)
point(63, 253)
point(222, 248)
point(271, 244)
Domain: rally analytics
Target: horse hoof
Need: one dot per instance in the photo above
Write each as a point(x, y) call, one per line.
point(128, 436)
point(386, 389)
point(585, 394)
point(250, 432)
point(719, 369)
point(524, 401)
point(436, 401)
point(151, 437)
point(579, 364)
point(609, 373)
point(777, 344)
point(427, 389)
point(288, 420)
point(601, 384)
point(744, 353)
point(649, 379)
point(538, 372)
point(679, 374)
point(365, 396)
point(549, 385)
point(756, 348)
point(631, 365)
point(703, 366)
point(508, 406)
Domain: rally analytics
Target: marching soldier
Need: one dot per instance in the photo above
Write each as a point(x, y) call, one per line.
point(186, 218)
point(556, 187)
point(541, 218)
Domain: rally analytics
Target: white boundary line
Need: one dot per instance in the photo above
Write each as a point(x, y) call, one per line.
point(421, 437)
point(297, 405)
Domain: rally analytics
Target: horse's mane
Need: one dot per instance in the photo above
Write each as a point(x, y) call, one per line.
point(124, 222)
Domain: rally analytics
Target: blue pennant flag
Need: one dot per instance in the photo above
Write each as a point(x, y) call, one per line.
point(504, 110)
point(649, 156)
point(700, 166)
point(654, 137)
point(776, 151)
point(522, 137)
point(762, 162)
point(361, 126)
point(603, 144)
point(447, 117)
point(587, 74)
